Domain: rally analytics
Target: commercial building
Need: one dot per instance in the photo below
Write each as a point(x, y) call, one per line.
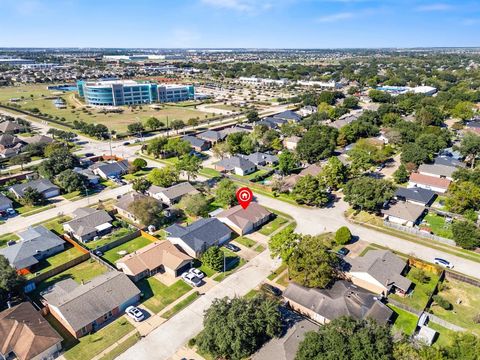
point(130, 92)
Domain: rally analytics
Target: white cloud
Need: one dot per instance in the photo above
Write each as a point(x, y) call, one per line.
point(434, 7)
point(336, 17)
point(249, 6)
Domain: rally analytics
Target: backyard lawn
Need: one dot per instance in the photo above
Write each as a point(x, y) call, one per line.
point(54, 261)
point(421, 291)
point(93, 344)
point(5, 238)
point(404, 322)
point(273, 225)
point(115, 235)
point(445, 337)
point(438, 225)
point(156, 296)
point(462, 314)
point(113, 255)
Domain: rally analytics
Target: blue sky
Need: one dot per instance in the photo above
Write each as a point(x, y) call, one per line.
point(239, 23)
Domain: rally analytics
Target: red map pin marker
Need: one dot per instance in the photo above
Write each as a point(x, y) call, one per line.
point(244, 197)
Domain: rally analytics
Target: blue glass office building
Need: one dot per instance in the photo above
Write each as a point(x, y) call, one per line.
point(129, 92)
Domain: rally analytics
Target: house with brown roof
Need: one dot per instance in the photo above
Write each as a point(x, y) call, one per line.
point(291, 180)
point(26, 335)
point(342, 299)
point(244, 221)
point(437, 184)
point(379, 271)
point(404, 213)
point(123, 205)
point(158, 257)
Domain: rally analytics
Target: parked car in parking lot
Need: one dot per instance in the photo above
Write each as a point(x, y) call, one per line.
point(232, 247)
point(443, 262)
point(198, 273)
point(270, 290)
point(191, 279)
point(135, 313)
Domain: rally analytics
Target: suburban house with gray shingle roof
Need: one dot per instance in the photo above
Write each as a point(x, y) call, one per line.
point(110, 169)
point(271, 122)
point(35, 244)
point(288, 115)
point(172, 194)
point(26, 335)
point(379, 271)
point(244, 221)
point(261, 159)
point(196, 143)
point(89, 174)
point(5, 203)
point(236, 165)
point(342, 299)
point(197, 237)
point(88, 223)
point(404, 213)
point(43, 186)
point(415, 195)
point(83, 308)
point(10, 127)
point(437, 170)
point(212, 136)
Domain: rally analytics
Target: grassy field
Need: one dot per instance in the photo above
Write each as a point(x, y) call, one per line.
point(115, 235)
point(124, 346)
point(223, 107)
point(156, 296)
point(93, 344)
point(421, 291)
point(54, 261)
point(77, 111)
point(438, 225)
point(181, 305)
point(130, 246)
point(5, 238)
point(405, 322)
point(462, 314)
point(273, 225)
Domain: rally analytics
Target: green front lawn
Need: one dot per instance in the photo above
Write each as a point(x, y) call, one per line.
point(272, 226)
point(26, 210)
point(156, 296)
point(208, 172)
point(136, 175)
point(404, 321)
point(251, 176)
point(5, 238)
point(232, 261)
point(245, 241)
point(181, 305)
point(260, 248)
point(277, 272)
point(462, 314)
point(55, 261)
point(93, 344)
point(56, 224)
point(438, 225)
point(421, 291)
point(124, 346)
point(115, 235)
point(113, 255)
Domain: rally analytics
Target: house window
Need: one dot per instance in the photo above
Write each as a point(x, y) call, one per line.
point(84, 330)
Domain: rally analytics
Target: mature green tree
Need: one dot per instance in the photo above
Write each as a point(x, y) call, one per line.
point(213, 257)
point(20, 159)
point(135, 128)
point(379, 96)
point(141, 185)
point(235, 328)
point(463, 110)
point(147, 210)
point(234, 141)
point(367, 193)
point(470, 147)
point(472, 175)
point(195, 205)
point(343, 235)
point(333, 174)
point(310, 191)
point(138, 164)
point(32, 197)
point(153, 123)
point(464, 195)
point(190, 165)
point(464, 346)
point(247, 145)
point(193, 122)
point(414, 154)
point(429, 115)
point(71, 181)
point(283, 243)
point(156, 146)
point(401, 175)
point(287, 162)
point(271, 140)
point(347, 338)
point(362, 128)
point(350, 102)
point(252, 116)
point(178, 146)
point(466, 234)
point(59, 160)
point(312, 264)
point(165, 177)
point(220, 150)
point(9, 279)
point(364, 155)
point(225, 193)
point(177, 125)
point(317, 143)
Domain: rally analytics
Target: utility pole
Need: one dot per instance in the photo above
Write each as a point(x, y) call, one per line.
point(167, 126)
